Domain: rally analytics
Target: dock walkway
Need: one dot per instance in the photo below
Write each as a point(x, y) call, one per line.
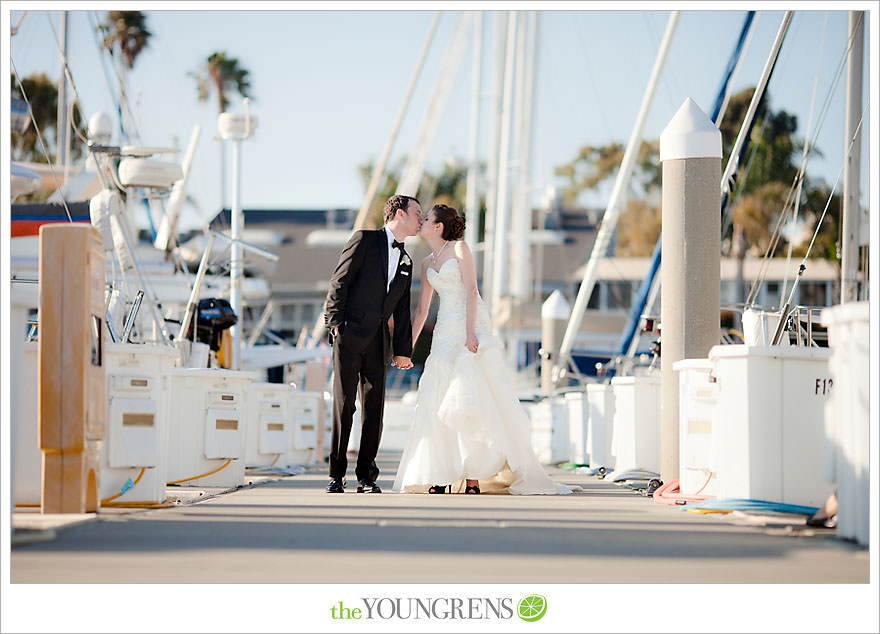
point(287, 530)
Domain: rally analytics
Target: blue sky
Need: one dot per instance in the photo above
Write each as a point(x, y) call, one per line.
point(328, 85)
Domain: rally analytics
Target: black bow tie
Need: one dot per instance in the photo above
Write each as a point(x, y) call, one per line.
point(397, 245)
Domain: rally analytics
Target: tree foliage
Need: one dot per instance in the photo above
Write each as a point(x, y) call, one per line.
point(386, 189)
point(448, 187)
point(773, 149)
point(223, 75)
point(758, 210)
point(772, 159)
point(42, 94)
point(827, 243)
point(596, 164)
point(125, 35)
point(637, 229)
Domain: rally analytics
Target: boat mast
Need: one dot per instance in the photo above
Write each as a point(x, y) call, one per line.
point(379, 169)
point(411, 177)
point(733, 68)
point(62, 151)
point(472, 205)
point(849, 261)
point(520, 254)
point(492, 163)
point(612, 212)
point(502, 214)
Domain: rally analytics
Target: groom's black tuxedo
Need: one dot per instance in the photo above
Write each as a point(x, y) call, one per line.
point(359, 307)
point(357, 303)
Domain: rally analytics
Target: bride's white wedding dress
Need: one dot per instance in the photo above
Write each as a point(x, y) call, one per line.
point(468, 422)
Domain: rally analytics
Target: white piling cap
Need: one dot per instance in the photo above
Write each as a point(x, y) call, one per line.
point(690, 134)
point(556, 307)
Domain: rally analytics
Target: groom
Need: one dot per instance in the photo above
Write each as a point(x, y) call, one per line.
point(370, 284)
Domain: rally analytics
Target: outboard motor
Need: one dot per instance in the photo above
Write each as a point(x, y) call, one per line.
point(213, 317)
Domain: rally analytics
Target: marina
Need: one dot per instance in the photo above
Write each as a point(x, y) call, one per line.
point(675, 402)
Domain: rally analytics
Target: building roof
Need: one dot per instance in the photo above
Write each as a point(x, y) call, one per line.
point(615, 268)
point(305, 267)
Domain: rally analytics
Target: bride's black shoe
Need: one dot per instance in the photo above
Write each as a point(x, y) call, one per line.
point(440, 488)
point(472, 489)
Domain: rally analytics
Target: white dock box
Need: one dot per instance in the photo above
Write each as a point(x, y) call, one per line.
point(305, 412)
point(698, 429)
point(600, 403)
point(268, 425)
point(549, 419)
point(847, 417)
point(27, 459)
point(771, 410)
point(397, 421)
point(207, 426)
point(138, 409)
point(636, 440)
point(578, 426)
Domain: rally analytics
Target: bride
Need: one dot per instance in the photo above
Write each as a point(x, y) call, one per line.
point(468, 423)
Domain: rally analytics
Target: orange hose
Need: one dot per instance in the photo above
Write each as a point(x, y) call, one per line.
point(196, 477)
point(139, 505)
point(113, 497)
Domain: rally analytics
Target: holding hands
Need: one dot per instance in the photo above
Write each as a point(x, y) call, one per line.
point(403, 363)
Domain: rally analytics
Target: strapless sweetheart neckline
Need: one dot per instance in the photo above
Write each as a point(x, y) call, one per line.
point(445, 262)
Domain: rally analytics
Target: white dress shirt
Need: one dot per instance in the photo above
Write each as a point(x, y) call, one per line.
point(393, 257)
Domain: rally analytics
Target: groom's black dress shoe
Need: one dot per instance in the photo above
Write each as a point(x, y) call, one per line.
point(337, 485)
point(368, 486)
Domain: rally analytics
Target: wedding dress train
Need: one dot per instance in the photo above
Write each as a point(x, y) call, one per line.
point(468, 422)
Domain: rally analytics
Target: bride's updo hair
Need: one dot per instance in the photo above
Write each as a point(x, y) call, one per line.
point(453, 222)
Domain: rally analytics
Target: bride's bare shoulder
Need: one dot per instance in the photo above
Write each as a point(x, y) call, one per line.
point(461, 248)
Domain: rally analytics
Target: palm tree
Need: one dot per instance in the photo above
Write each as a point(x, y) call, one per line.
point(224, 75)
point(125, 33)
point(125, 36)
